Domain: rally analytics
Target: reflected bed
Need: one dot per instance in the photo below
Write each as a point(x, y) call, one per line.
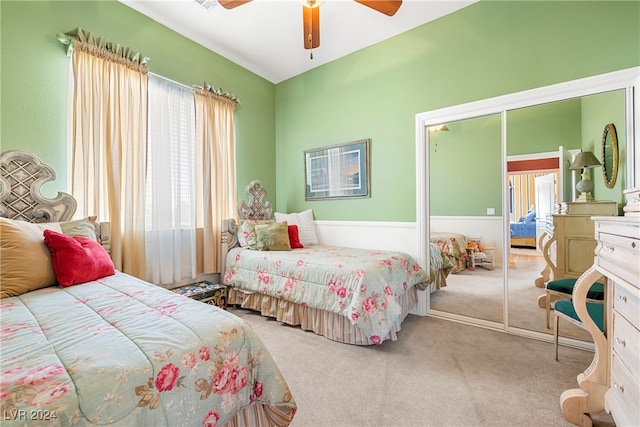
point(453, 247)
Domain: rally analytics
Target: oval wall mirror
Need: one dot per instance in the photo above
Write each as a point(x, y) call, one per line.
point(610, 155)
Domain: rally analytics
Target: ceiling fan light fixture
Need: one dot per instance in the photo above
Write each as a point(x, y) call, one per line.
point(311, 27)
point(439, 128)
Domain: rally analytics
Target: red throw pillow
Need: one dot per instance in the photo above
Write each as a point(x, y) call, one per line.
point(294, 241)
point(77, 259)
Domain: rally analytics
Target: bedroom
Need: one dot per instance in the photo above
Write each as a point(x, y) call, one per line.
point(362, 95)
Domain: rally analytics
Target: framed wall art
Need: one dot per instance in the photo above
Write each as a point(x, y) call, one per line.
point(337, 171)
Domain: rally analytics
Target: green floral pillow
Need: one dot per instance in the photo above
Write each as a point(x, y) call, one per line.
point(247, 233)
point(274, 237)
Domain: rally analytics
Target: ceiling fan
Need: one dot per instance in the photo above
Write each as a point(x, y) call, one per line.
point(311, 15)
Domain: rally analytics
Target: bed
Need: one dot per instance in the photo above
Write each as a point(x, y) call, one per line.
point(440, 266)
point(453, 247)
point(523, 231)
point(115, 349)
point(350, 295)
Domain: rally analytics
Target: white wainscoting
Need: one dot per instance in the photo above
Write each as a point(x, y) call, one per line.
point(383, 235)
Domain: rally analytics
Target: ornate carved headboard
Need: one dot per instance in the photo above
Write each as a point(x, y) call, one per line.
point(22, 175)
point(255, 208)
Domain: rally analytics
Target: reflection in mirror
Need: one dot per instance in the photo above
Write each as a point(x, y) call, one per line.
point(542, 141)
point(465, 216)
point(467, 172)
point(610, 155)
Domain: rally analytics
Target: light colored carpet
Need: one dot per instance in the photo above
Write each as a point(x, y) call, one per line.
point(438, 373)
point(479, 294)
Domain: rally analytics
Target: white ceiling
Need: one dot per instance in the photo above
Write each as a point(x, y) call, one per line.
point(265, 36)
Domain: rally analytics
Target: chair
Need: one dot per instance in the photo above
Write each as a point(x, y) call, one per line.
point(563, 288)
point(479, 255)
point(564, 308)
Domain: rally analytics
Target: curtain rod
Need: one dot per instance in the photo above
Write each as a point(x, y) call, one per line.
point(172, 81)
point(224, 94)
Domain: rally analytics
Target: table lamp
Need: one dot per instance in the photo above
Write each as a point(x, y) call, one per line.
point(585, 160)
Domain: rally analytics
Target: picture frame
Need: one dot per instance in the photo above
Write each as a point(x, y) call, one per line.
point(338, 171)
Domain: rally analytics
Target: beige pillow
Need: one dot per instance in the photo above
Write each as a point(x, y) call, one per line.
point(81, 227)
point(25, 261)
point(274, 237)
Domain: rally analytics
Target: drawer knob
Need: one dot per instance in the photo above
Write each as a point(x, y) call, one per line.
point(621, 342)
point(622, 298)
point(619, 387)
point(608, 248)
point(633, 245)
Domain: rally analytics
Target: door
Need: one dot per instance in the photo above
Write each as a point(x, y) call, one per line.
point(545, 194)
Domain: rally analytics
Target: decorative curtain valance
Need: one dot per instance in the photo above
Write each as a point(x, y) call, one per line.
point(96, 44)
point(99, 46)
point(218, 93)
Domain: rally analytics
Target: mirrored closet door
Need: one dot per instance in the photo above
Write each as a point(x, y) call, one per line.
point(486, 165)
point(461, 189)
point(542, 141)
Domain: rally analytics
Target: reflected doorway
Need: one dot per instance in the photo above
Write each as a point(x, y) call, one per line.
point(534, 188)
point(533, 194)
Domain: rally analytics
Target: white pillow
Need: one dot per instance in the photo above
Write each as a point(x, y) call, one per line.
point(304, 221)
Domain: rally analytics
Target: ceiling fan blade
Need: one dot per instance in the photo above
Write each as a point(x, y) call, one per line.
point(311, 27)
point(388, 7)
point(230, 4)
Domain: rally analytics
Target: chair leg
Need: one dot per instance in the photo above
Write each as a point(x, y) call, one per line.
point(548, 308)
point(555, 335)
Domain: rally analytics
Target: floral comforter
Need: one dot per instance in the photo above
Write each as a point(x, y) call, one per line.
point(125, 352)
point(453, 246)
point(362, 285)
point(438, 260)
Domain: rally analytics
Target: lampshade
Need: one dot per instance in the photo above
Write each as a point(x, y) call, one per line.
point(585, 159)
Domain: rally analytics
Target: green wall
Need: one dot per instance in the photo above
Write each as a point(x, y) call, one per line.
point(487, 49)
point(543, 128)
point(34, 69)
point(461, 185)
point(574, 124)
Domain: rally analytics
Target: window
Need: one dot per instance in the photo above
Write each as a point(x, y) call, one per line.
point(170, 214)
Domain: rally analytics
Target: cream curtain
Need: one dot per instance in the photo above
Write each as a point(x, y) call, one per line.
point(108, 129)
point(216, 167)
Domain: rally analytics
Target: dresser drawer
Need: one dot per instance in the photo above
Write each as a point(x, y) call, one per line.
point(619, 226)
point(620, 254)
point(626, 343)
point(626, 301)
point(626, 393)
point(580, 226)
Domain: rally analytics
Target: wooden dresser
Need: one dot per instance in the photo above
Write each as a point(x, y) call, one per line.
point(612, 381)
point(568, 242)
